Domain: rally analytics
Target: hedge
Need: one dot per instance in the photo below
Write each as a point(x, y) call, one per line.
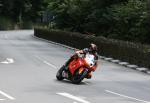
point(8, 24)
point(126, 51)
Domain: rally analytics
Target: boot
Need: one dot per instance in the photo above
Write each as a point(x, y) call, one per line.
point(89, 75)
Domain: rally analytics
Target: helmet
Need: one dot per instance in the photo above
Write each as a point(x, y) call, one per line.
point(93, 48)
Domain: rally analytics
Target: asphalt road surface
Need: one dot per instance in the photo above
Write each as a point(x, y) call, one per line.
point(27, 75)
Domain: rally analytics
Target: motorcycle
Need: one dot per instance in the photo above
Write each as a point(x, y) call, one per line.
point(78, 68)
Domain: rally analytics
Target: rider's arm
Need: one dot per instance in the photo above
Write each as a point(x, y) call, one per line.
point(84, 51)
point(79, 52)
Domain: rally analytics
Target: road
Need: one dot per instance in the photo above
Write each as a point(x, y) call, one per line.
point(27, 75)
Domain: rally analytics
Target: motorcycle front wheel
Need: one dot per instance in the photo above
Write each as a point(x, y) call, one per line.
point(59, 73)
point(77, 78)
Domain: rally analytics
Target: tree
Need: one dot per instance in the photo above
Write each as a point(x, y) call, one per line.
point(1, 6)
point(69, 14)
point(22, 9)
point(131, 21)
point(80, 15)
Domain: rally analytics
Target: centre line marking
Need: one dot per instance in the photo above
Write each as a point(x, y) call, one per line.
point(38, 57)
point(6, 95)
point(73, 97)
point(8, 61)
point(121, 95)
point(50, 64)
point(46, 62)
point(2, 99)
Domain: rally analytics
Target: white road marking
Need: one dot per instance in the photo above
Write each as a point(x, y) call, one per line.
point(46, 62)
point(121, 95)
point(4, 62)
point(73, 97)
point(2, 99)
point(50, 64)
point(8, 61)
point(38, 57)
point(6, 95)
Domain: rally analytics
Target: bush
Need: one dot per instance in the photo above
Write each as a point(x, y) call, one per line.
point(126, 51)
point(131, 21)
point(119, 19)
point(6, 24)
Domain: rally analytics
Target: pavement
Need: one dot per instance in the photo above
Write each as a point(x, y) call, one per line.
point(28, 67)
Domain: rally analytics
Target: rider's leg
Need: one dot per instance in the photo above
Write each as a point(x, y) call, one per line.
point(71, 59)
point(67, 62)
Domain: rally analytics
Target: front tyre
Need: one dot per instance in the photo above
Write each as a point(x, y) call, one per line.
point(59, 73)
point(77, 78)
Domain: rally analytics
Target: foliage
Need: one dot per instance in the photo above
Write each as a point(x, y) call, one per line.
point(70, 14)
point(22, 12)
point(80, 15)
point(6, 24)
point(120, 19)
point(131, 21)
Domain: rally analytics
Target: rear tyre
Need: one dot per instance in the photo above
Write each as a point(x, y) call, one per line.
point(59, 73)
point(76, 79)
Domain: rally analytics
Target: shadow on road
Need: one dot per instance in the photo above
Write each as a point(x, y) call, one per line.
point(69, 82)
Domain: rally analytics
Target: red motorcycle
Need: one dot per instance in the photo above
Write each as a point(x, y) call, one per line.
point(78, 69)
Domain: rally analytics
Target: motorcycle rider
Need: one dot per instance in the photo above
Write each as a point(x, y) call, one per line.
point(92, 50)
